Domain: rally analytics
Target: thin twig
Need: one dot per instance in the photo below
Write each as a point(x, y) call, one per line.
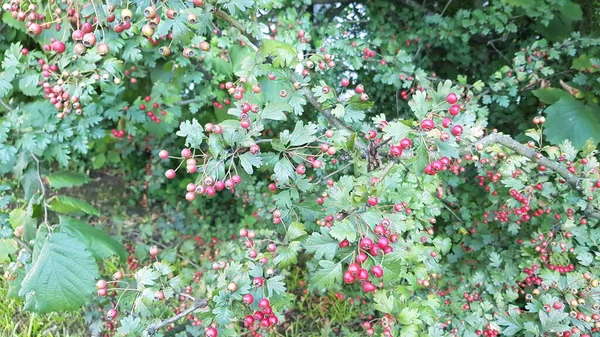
point(24, 245)
point(334, 173)
point(330, 117)
point(444, 202)
point(446, 7)
point(5, 105)
point(525, 151)
point(42, 190)
point(198, 303)
point(382, 143)
point(254, 43)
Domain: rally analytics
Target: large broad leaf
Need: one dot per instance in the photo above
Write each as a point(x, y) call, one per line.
point(98, 242)
point(550, 95)
point(570, 119)
point(68, 205)
point(66, 179)
point(62, 278)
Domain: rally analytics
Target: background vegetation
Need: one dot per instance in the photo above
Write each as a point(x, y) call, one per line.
point(299, 168)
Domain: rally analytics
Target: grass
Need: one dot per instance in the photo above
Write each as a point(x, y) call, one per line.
point(14, 322)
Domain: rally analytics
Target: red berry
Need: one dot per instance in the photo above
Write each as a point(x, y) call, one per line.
point(427, 125)
point(451, 98)
point(377, 271)
point(372, 201)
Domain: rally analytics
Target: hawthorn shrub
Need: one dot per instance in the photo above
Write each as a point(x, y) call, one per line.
point(417, 168)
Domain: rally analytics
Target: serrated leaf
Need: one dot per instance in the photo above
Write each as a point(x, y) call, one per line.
point(321, 244)
point(419, 104)
point(68, 205)
point(146, 277)
point(396, 130)
point(62, 278)
point(130, 325)
point(383, 303)
point(295, 231)
point(344, 229)
point(283, 170)
point(275, 285)
point(66, 179)
point(98, 242)
point(283, 54)
point(249, 161)
point(303, 134)
point(287, 255)
point(193, 133)
point(328, 275)
point(276, 111)
point(339, 111)
point(231, 5)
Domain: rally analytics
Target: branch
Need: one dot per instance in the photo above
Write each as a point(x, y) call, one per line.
point(42, 189)
point(307, 94)
point(330, 117)
point(410, 3)
point(5, 105)
point(237, 25)
point(24, 245)
point(557, 167)
point(151, 330)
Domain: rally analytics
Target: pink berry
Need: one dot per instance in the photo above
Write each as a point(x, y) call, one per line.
point(451, 98)
point(170, 174)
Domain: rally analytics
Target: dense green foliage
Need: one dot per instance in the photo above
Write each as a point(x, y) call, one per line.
point(300, 168)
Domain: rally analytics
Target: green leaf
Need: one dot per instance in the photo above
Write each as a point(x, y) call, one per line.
point(396, 130)
point(130, 326)
point(231, 5)
point(97, 241)
point(512, 322)
point(66, 179)
point(303, 134)
point(283, 54)
point(275, 285)
point(555, 320)
point(409, 316)
point(321, 244)
point(62, 278)
point(28, 84)
point(383, 303)
point(287, 255)
point(68, 205)
point(283, 170)
point(249, 160)
point(295, 231)
point(419, 104)
point(193, 133)
point(328, 275)
point(570, 119)
point(23, 217)
point(572, 11)
point(7, 247)
point(98, 161)
point(146, 277)
point(338, 111)
point(550, 95)
point(356, 104)
point(275, 111)
point(344, 229)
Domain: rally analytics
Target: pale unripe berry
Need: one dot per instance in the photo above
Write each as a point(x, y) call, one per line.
point(170, 174)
